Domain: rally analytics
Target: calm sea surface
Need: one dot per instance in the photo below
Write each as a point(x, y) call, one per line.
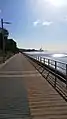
point(56, 56)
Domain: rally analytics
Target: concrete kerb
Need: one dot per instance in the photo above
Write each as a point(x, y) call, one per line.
point(3, 64)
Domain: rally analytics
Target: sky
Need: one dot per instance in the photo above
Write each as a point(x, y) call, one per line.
point(36, 23)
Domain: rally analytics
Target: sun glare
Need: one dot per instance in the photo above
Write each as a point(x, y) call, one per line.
point(56, 3)
point(59, 55)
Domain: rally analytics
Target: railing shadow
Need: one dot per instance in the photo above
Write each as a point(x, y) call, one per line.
point(55, 77)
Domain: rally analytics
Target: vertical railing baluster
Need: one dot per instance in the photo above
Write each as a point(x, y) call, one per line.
point(48, 62)
point(44, 60)
point(66, 76)
point(40, 59)
point(36, 57)
point(55, 73)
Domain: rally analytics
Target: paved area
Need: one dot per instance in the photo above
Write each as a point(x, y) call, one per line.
point(25, 94)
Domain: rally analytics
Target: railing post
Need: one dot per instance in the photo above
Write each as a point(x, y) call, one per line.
point(55, 73)
point(40, 59)
point(48, 62)
point(36, 57)
point(66, 76)
point(44, 60)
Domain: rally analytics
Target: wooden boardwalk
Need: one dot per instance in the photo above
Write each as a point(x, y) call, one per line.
point(43, 102)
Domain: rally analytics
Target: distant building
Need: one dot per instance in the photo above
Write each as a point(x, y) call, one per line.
point(41, 49)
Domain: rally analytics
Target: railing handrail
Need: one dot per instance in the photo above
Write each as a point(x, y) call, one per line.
point(53, 59)
point(47, 58)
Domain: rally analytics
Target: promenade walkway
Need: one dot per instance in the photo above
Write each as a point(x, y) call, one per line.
point(25, 94)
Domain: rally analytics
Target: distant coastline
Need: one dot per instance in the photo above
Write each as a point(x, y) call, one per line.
point(31, 50)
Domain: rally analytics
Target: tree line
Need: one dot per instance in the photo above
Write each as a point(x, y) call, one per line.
point(8, 44)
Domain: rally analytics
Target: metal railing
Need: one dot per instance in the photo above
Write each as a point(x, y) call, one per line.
point(57, 65)
point(55, 72)
point(59, 68)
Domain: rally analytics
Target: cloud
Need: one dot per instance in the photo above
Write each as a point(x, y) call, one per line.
point(35, 23)
point(47, 23)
